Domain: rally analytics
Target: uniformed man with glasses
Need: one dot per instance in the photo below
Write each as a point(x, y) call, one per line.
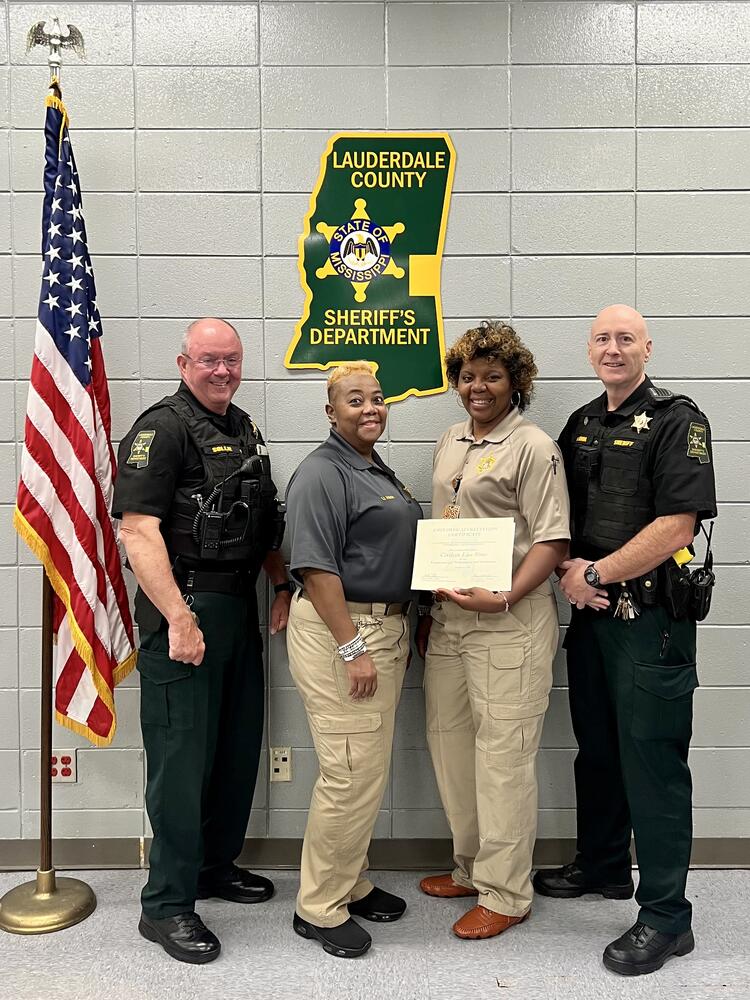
point(199, 520)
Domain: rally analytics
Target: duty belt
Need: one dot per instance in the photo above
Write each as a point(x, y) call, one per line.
point(193, 581)
point(378, 610)
point(643, 591)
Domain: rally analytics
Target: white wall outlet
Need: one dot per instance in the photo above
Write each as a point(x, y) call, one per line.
point(281, 763)
point(64, 765)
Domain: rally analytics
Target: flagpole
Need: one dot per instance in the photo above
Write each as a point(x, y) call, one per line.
point(48, 903)
point(45, 739)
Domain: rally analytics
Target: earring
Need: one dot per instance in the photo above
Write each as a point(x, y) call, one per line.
point(515, 398)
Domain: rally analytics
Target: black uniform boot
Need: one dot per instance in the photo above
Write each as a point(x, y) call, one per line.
point(238, 886)
point(569, 881)
point(184, 937)
point(643, 949)
point(348, 940)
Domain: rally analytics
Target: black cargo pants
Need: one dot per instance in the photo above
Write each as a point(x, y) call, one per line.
point(631, 700)
point(202, 731)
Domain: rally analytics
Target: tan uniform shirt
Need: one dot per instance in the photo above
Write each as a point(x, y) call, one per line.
point(516, 471)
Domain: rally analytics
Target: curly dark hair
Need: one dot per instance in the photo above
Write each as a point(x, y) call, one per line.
point(494, 340)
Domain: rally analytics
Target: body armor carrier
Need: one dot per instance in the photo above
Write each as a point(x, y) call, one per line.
point(232, 516)
point(609, 473)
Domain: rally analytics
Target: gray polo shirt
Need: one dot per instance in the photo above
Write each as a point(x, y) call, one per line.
point(355, 519)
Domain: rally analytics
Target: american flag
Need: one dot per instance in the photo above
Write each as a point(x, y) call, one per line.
point(68, 465)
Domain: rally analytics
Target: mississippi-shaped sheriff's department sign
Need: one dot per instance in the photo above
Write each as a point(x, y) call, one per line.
point(370, 257)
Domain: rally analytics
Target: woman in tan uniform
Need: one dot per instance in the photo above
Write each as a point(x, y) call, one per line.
point(488, 666)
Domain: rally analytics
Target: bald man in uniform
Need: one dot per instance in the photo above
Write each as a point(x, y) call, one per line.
point(640, 473)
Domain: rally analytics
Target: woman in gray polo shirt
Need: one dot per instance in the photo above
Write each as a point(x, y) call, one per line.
point(353, 528)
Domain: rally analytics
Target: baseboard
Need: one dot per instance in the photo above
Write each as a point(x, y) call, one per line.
point(114, 852)
point(397, 855)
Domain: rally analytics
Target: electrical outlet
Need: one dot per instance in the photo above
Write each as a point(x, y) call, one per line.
point(281, 763)
point(64, 766)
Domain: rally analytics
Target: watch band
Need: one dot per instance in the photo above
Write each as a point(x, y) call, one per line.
point(281, 587)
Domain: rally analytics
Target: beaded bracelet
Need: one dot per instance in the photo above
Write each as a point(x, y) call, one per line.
point(351, 650)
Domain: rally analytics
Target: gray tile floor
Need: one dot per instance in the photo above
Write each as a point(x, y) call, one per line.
point(554, 956)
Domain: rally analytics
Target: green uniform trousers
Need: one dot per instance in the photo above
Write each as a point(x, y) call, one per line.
point(631, 700)
point(202, 731)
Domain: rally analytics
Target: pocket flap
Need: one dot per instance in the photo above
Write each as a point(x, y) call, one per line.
point(506, 657)
point(666, 681)
point(159, 669)
point(347, 723)
point(526, 710)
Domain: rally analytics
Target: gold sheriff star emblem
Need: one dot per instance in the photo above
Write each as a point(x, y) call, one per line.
point(641, 422)
point(360, 250)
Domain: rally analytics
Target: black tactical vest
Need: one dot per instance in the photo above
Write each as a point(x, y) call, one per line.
point(222, 455)
point(610, 471)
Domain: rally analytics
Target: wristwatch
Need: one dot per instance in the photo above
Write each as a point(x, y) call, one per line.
point(279, 587)
point(591, 576)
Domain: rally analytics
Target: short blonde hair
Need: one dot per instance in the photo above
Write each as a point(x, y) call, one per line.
point(345, 370)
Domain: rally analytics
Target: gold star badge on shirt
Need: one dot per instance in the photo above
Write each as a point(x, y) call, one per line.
point(641, 422)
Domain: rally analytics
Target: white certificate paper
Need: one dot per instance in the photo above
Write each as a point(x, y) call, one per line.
point(469, 552)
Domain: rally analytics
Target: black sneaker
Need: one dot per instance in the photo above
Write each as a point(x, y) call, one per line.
point(569, 881)
point(378, 905)
point(642, 950)
point(184, 937)
point(238, 886)
point(348, 940)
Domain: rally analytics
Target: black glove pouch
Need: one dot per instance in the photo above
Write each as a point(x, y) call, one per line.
point(677, 590)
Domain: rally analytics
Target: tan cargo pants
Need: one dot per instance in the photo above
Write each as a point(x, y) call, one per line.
point(487, 682)
point(353, 740)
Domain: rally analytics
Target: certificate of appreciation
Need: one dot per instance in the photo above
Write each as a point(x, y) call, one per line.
point(468, 552)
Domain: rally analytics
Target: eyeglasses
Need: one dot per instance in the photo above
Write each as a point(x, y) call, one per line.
point(211, 364)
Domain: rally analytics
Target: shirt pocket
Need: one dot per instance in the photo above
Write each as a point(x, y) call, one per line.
point(621, 468)
point(167, 696)
point(663, 701)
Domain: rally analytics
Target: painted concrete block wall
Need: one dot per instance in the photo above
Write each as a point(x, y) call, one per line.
point(603, 154)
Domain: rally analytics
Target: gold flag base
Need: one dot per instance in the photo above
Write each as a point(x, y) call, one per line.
point(46, 905)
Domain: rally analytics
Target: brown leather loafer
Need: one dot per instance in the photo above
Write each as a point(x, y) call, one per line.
point(483, 923)
point(445, 887)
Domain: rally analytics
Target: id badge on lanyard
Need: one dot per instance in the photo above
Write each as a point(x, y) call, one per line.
point(452, 510)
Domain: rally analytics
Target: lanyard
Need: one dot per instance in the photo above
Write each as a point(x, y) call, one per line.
point(452, 510)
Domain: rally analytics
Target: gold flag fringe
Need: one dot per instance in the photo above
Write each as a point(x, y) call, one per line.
point(81, 643)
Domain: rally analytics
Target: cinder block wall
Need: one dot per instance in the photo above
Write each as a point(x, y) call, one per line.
point(603, 155)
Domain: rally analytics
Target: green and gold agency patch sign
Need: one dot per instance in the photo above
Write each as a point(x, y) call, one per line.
point(370, 258)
